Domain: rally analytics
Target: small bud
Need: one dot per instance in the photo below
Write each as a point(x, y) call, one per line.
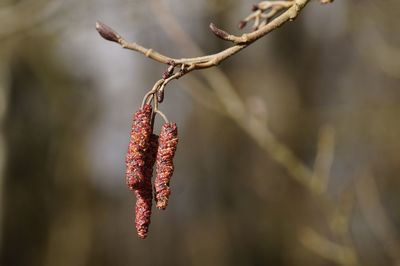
point(160, 95)
point(242, 24)
point(170, 70)
point(218, 32)
point(171, 63)
point(165, 75)
point(106, 32)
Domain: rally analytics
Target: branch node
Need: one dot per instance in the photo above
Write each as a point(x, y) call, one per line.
point(170, 70)
point(148, 52)
point(183, 71)
point(261, 28)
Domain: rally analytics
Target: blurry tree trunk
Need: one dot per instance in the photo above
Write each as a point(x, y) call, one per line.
point(46, 194)
point(3, 106)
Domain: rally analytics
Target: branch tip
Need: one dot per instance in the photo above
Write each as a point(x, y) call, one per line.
point(106, 32)
point(242, 24)
point(240, 42)
point(218, 32)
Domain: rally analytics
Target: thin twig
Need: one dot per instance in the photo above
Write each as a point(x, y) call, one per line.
point(324, 158)
point(341, 255)
point(214, 59)
point(148, 97)
point(376, 216)
point(162, 115)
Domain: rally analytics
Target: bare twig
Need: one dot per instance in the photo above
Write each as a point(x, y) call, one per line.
point(341, 255)
point(324, 157)
point(376, 216)
point(207, 61)
point(263, 13)
point(340, 219)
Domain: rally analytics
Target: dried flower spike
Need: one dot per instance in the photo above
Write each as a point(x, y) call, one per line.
point(164, 168)
point(138, 145)
point(151, 156)
point(143, 210)
point(144, 195)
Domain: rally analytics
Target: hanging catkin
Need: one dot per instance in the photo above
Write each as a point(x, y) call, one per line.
point(138, 145)
point(144, 195)
point(164, 168)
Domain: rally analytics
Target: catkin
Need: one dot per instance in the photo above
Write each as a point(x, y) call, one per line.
point(138, 145)
point(144, 195)
point(164, 167)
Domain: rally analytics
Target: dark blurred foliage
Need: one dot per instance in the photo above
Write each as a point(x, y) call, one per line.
point(66, 98)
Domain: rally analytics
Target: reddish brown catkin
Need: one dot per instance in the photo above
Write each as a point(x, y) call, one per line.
point(144, 195)
point(138, 144)
point(166, 150)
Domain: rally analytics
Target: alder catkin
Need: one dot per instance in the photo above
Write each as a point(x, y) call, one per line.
point(144, 195)
point(138, 145)
point(164, 167)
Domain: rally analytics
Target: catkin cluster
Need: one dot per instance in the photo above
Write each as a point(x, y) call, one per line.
point(144, 151)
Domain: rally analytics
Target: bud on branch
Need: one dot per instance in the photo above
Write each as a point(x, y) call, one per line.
point(220, 33)
point(107, 33)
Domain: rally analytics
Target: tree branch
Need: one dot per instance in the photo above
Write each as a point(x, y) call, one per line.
point(293, 8)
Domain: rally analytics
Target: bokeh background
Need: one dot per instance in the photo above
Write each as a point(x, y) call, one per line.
point(326, 85)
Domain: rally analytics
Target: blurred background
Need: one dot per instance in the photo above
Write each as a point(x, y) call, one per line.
point(326, 85)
